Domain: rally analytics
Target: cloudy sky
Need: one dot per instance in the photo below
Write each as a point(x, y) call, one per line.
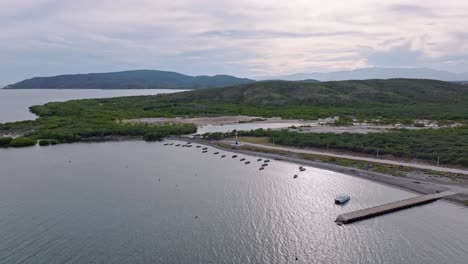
point(242, 37)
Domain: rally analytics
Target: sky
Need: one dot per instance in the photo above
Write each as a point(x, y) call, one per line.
point(244, 37)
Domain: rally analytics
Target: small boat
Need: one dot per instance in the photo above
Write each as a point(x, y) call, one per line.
point(234, 156)
point(247, 162)
point(259, 159)
point(264, 164)
point(267, 160)
point(216, 153)
point(261, 168)
point(242, 159)
point(342, 199)
point(223, 156)
point(295, 176)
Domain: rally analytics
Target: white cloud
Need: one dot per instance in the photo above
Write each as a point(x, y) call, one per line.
point(245, 37)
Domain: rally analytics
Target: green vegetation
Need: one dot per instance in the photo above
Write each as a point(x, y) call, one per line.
point(47, 142)
point(448, 144)
point(22, 142)
point(396, 100)
point(343, 121)
point(139, 79)
point(5, 141)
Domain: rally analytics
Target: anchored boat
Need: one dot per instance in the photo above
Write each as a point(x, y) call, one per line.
point(342, 198)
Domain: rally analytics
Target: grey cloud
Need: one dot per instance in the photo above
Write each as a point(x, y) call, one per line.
point(269, 34)
point(411, 9)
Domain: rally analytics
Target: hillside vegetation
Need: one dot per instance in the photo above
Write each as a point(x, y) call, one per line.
point(139, 79)
point(396, 100)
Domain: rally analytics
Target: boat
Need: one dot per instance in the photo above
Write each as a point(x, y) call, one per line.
point(259, 159)
point(261, 168)
point(295, 176)
point(205, 148)
point(234, 156)
point(247, 162)
point(178, 145)
point(342, 199)
point(264, 164)
point(242, 159)
point(223, 156)
point(216, 153)
point(267, 160)
point(205, 151)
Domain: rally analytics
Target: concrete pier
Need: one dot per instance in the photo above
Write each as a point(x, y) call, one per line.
point(388, 208)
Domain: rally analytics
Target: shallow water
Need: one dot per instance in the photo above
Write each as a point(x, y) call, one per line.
point(138, 202)
point(14, 104)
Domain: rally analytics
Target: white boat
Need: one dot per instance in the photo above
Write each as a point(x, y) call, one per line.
point(342, 198)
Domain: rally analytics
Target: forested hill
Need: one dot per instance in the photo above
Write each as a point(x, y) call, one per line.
point(337, 93)
point(138, 79)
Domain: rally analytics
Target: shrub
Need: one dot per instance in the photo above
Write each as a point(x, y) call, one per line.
point(22, 142)
point(5, 141)
point(155, 136)
point(44, 142)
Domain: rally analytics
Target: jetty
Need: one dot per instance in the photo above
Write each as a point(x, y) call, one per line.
point(389, 207)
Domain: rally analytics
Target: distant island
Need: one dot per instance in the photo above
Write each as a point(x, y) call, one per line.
point(137, 79)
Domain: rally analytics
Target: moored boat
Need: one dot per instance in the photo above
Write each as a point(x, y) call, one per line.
point(342, 198)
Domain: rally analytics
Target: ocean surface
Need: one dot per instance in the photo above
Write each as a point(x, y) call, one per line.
point(14, 104)
point(139, 202)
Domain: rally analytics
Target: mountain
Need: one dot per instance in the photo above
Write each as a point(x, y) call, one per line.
point(373, 73)
point(138, 79)
point(334, 93)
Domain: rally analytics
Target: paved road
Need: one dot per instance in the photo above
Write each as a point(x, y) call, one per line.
point(382, 161)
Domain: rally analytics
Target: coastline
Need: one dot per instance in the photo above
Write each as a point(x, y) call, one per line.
point(404, 183)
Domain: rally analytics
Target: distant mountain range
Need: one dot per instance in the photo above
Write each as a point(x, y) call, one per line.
point(373, 73)
point(152, 79)
point(138, 79)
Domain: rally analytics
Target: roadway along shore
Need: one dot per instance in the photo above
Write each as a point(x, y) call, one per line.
point(374, 160)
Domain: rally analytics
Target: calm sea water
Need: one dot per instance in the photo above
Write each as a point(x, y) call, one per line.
point(138, 202)
point(14, 104)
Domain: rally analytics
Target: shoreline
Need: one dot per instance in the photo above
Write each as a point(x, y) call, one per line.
point(403, 183)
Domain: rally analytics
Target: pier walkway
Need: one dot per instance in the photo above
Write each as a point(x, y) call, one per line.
point(390, 207)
